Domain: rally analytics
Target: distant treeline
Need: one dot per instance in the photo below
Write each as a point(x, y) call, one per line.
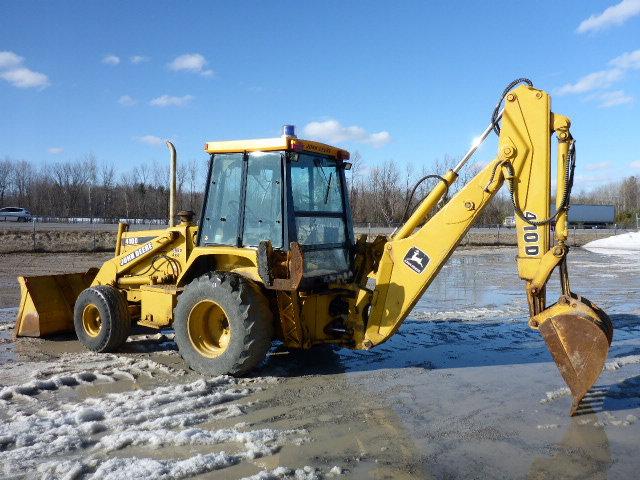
point(379, 195)
point(87, 188)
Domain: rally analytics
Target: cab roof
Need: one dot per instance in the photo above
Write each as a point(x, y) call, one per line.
point(285, 142)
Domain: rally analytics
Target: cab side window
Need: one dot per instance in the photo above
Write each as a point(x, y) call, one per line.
point(222, 211)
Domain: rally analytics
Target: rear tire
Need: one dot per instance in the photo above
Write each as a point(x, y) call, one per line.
point(101, 318)
point(223, 324)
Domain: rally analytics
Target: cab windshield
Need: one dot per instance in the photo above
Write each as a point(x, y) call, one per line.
point(318, 204)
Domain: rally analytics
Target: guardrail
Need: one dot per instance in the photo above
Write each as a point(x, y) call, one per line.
point(91, 220)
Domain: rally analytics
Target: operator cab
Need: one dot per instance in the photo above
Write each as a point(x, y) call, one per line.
point(282, 190)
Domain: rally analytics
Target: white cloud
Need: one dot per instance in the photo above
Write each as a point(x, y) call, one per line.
point(334, 132)
point(594, 167)
point(111, 59)
point(18, 75)
point(25, 78)
point(136, 59)
point(127, 101)
point(613, 16)
point(55, 150)
point(627, 61)
point(379, 139)
point(150, 140)
point(191, 62)
point(615, 98)
point(604, 78)
point(169, 101)
point(596, 178)
point(593, 81)
point(635, 164)
point(10, 59)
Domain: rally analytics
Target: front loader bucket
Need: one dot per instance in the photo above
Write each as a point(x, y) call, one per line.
point(47, 301)
point(578, 335)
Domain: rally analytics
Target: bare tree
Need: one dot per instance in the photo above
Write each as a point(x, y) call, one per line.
point(6, 170)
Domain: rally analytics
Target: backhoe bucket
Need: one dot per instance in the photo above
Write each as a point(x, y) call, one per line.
point(47, 301)
point(578, 335)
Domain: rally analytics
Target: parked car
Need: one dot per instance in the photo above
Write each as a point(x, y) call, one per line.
point(15, 214)
point(509, 222)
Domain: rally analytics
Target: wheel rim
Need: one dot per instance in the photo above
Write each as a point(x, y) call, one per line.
point(209, 329)
point(91, 321)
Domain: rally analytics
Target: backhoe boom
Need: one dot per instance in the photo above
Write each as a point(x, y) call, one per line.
point(578, 334)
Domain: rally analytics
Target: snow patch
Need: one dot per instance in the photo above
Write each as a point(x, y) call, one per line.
point(548, 427)
point(73, 369)
point(276, 474)
point(555, 394)
point(611, 420)
point(258, 443)
point(468, 314)
point(34, 437)
point(623, 244)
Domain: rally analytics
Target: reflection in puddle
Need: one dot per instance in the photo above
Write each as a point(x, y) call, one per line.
point(582, 453)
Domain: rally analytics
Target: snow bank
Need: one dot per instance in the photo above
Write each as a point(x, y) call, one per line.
point(624, 244)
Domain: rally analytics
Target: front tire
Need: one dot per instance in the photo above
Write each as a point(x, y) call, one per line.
point(101, 318)
point(223, 324)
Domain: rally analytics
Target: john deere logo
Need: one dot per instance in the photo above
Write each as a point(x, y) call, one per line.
point(416, 260)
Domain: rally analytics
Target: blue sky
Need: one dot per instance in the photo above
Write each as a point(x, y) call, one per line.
point(408, 81)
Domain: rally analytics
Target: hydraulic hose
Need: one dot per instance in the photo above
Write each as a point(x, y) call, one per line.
point(566, 195)
point(570, 169)
point(406, 214)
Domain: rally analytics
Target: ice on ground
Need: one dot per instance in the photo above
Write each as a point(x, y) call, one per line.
point(34, 436)
point(620, 362)
point(555, 394)
point(623, 244)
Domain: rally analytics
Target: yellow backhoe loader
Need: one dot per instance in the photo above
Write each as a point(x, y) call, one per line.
point(274, 256)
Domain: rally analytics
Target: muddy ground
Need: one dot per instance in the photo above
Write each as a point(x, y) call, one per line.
point(464, 390)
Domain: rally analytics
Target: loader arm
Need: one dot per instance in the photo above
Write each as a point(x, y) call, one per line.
point(577, 333)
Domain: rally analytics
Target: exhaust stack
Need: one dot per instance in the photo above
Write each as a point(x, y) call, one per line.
point(172, 185)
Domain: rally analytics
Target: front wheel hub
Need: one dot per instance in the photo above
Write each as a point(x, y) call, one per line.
point(208, 328)
point(91, 321)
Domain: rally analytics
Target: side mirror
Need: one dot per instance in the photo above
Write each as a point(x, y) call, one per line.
point(347, 165)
